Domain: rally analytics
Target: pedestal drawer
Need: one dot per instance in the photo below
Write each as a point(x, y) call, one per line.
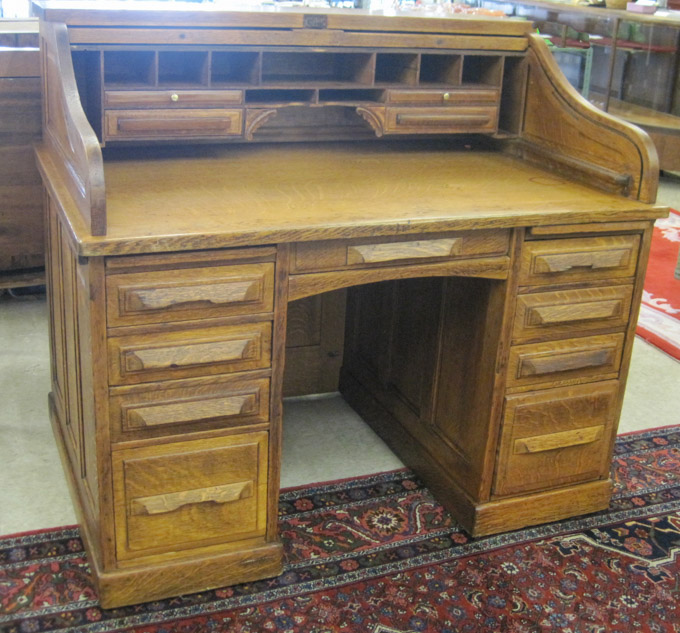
point(556, 437)
point(562, 362)
point(186, 406)
point(187, 353)
point(564, 312)
point(189, 293)
point(189, 494)
point(579, 259)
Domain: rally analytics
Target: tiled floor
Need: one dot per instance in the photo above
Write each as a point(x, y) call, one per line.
point(323, 438)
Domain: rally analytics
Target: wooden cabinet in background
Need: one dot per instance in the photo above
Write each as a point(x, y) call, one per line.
point(21, 212)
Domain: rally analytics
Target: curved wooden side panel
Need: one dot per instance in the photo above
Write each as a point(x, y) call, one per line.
point(563, 130)
point(67, 134)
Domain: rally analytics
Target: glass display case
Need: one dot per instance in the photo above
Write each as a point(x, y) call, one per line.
point(623, 62)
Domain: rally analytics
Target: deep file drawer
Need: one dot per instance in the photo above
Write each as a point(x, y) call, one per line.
point(189, 494)
point(556, 437)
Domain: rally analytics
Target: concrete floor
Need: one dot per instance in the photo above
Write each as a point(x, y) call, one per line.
point(323, 438)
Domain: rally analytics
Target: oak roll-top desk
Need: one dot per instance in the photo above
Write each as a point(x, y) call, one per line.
point(480, 229)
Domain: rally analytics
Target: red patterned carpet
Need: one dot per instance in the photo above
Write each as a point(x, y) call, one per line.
point(659, 321)
point(379, 555)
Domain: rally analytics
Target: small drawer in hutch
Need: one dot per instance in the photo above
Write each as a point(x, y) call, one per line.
point(579, 259)
point(159, 124)
point(164, 355)
point(441, 120)
point(564, 312)
point(556, 437)
point(190, 494)
point(172, 98)
point(190, 293)
point(565, 361)
point(343, 254)
point(186, 406)
point(444, 97)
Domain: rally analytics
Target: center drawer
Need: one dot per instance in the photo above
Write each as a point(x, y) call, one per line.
point(189, 494)
point(181, 354)
point(385, 251)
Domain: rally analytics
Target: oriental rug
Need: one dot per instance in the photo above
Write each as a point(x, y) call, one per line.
point(377, 554)
point(659, 321)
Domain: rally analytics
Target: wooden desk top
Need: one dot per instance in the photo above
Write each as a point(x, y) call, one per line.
point(217, 196)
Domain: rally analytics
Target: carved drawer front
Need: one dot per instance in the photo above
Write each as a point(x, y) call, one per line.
point(158, 124)
point(440, 120)
point(340, 254)
point(184, 495)
point(188, 294)
point(566, 361)
point(556, 437)
point(185, 406)
point(186, 353)
point(580, 259)
point(564, 312)
point(172, 98)
point(450, 97)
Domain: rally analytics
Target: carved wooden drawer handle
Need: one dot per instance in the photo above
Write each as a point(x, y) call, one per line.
point(191, 354)
point(443, 119)
point(563, 439)
point(215, 294)
point(571, 361)
point(161, 504)
point(563, 262)
point(173, 125)
point(374, 253)
point(588, 311)
point(193, 411)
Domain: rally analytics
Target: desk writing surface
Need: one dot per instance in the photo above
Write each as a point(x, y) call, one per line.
point(257, 194)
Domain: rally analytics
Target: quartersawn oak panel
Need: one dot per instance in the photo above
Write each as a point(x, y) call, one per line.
point(189, 494)
point(555, 437)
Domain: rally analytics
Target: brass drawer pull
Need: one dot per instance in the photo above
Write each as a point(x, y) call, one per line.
point(443, 119)
point(214, 294)
point(588, 311)
point(193, 411)
point(563, 439)
point(394, 251)
point(188, 354)
point(162, 504)
point(563, 262)
point(571, 361)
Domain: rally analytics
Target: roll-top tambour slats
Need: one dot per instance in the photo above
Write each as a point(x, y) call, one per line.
point(161, 504)
point(395, 251)
point(194, 411)
point(562, 439)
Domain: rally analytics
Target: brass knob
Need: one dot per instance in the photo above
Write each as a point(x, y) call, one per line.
point(446, 96)
point(174, 97)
